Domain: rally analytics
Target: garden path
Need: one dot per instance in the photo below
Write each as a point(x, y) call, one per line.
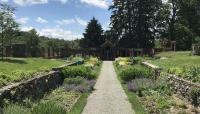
point(109, 96)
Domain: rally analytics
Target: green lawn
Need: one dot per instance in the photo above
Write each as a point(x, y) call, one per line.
point(16, 69)
point(28, 64)
point(175, 59)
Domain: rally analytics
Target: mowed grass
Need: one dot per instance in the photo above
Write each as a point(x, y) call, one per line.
point(176, 59)
point(80, 104)
point(28, 64)
point(17, 69)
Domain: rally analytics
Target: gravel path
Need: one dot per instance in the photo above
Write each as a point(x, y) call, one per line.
point(109, 96)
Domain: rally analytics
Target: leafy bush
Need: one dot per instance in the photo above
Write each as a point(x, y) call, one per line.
point(3, 79)
point(93, 61)
point(163, 102)
point(190, 73)
point(131, 73)
point(195, 94)
point(141, 84)
point(81, 71)
point(176, 70)
point(84, 86)
point(123, 61)
point(75, 81)
point(193, 73)
point(48, 108)
point(136, 60)
point(16, 109)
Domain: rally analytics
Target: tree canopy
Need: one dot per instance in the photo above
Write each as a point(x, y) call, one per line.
point(93, 36)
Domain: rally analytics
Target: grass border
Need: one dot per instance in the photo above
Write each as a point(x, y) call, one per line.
point(82, 101)
point(80, 104)
point(132, 97)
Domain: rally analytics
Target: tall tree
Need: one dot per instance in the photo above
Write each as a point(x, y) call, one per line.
point(32, 42)
point(93, 36)
point(134, 21)
point(6, 22)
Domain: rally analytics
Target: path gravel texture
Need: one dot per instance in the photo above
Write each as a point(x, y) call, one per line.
point(109, 96)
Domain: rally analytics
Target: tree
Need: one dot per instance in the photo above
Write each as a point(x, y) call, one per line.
point(134, 22)
point(32, 42)
point(93, 36)
point(111, 36)
point(6, 22)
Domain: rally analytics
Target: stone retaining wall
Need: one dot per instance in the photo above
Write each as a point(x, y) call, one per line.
point(34, 88)
point(31, 89)
point(182, 87)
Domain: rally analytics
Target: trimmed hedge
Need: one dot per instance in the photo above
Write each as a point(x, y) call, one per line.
point(134, 72)
point(81, 71)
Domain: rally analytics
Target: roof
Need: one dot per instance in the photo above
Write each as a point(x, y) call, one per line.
point(107, 44)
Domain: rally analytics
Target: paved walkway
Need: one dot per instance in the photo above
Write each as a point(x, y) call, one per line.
point(109, 96)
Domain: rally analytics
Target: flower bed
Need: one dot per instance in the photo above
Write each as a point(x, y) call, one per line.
point(156, 96)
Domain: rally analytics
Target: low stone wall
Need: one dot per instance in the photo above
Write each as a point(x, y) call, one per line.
point(182, 87)
point(34, 88)
point(31, 89)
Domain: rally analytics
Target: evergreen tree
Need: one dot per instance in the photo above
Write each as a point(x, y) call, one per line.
point(134, 22)
point(93, 36)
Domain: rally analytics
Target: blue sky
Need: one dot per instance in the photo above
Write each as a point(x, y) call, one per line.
point(64, 19)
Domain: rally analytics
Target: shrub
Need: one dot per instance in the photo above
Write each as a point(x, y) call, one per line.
point(3, 79)
point(195, 94)
point(93, 61)
point(84, 86)
point(176, 70)
point(131, 73)
point(193, 73)
point(163, 102)
point(75, 71)
point(136, 60)
point(75, 81)
point(141, 84)
point(16, 109)
point(48, 108)
point(190, 73)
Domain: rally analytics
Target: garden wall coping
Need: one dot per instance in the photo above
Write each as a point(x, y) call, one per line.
point(152, 66)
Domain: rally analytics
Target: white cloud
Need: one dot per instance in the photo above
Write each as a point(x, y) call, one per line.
point(3, 0)
point(54, 33)
point(58, 33)
point(29, 2)
point(41, 20)
point(65, 21)
point(23, 20)
point(81, 21)
point(27, 28)
point(77, 20)
point(98, 3)
point(62, 1)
